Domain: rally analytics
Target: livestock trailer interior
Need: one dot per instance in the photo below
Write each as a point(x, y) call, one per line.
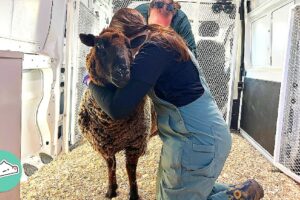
point(248, 51)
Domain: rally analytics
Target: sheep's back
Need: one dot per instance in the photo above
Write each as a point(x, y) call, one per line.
point(109, 136)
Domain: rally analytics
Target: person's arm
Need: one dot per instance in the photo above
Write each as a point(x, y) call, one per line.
point(148, 65)
point(182, 26)
point(119, 103)
point(185, 30)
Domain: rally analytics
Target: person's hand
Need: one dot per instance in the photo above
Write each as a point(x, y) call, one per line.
point(86, 80)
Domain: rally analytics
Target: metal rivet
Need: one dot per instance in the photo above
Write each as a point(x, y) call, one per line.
point(295, 85)
point(293, 101)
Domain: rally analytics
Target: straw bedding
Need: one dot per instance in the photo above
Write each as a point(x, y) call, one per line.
point(82, 174)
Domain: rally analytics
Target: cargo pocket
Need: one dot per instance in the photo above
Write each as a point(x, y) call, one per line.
point(171, 166)
point(198, 160)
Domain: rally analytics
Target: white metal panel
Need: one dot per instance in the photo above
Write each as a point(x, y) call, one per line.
point(52, 35)
point(31, 20)
point(31, 61)
point(53, 46)
point(260, 41)
point(280, 34)
point(32, 87)
point(266, 6)
point(256, 3)
point(32, 26)
point(265, 73)
point(6, 10)
point(258, 44)
point(43, 115)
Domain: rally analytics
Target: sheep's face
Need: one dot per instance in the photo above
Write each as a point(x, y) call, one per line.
point(110, 57)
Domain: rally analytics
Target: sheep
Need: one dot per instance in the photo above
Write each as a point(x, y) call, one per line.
point(109, 62)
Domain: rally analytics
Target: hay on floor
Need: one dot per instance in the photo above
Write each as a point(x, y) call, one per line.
point(82, 174)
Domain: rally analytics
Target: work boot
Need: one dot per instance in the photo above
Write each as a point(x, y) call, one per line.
point(249, 190)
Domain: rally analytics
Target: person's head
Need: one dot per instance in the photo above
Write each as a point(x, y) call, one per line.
point(132, 24)
point(129, 21)
point(161, 12)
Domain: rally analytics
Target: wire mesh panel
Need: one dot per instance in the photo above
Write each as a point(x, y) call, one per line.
point(215, 52)
point(214, 35)
point(88, 22)
point(287, 148)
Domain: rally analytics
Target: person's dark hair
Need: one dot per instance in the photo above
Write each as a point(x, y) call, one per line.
point(176, 5)
point(131, 23)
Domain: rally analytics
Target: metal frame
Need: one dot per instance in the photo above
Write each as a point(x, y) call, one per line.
point(282, 103)
point(256, 73)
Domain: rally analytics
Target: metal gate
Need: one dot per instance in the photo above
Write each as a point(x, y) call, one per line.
point(83, 17)
point(287, 147)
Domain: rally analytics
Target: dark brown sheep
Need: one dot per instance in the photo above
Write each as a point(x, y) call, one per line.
point(109, 62)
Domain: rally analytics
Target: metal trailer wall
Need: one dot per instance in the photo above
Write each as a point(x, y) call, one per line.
point(287, 147)
point(83, 17)
point(36, 28)
point(268, 121)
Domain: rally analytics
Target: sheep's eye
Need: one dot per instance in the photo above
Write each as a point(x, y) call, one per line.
point(99, 46)
point(100, 50)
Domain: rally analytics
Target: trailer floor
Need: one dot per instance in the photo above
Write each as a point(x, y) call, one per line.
point(82, 174)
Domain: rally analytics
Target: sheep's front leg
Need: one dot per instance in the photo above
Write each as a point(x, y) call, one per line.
point(131, 164)
point(112, 180)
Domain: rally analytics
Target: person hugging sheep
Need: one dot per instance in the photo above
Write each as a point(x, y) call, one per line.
point(196, 139)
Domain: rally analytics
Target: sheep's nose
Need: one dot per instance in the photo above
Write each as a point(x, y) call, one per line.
point(122, 70)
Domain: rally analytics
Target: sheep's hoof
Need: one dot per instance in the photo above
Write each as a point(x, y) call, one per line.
point(134, 197)
point(111, 192)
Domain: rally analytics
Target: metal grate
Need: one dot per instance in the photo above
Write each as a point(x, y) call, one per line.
point(287, 150)
point(88, 22)
point(215, 47)
point(214, 34)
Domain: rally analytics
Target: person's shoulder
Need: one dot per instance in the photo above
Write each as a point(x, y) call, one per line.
point(179, 19)
point(152, 46)
point(143, 8)
point(156, 48)
point(180, 15)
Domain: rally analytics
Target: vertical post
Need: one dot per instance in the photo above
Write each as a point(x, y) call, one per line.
point(237, 103)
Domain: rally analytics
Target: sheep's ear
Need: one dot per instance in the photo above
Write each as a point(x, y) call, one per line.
point(137, 41)
point(87, 39)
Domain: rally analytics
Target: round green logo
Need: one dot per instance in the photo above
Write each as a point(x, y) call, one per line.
point(10, 171)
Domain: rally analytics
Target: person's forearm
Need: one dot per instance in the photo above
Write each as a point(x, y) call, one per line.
point(120, 103)
point(103, 97)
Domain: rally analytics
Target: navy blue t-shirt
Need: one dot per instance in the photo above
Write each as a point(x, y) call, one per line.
point(173, 81)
